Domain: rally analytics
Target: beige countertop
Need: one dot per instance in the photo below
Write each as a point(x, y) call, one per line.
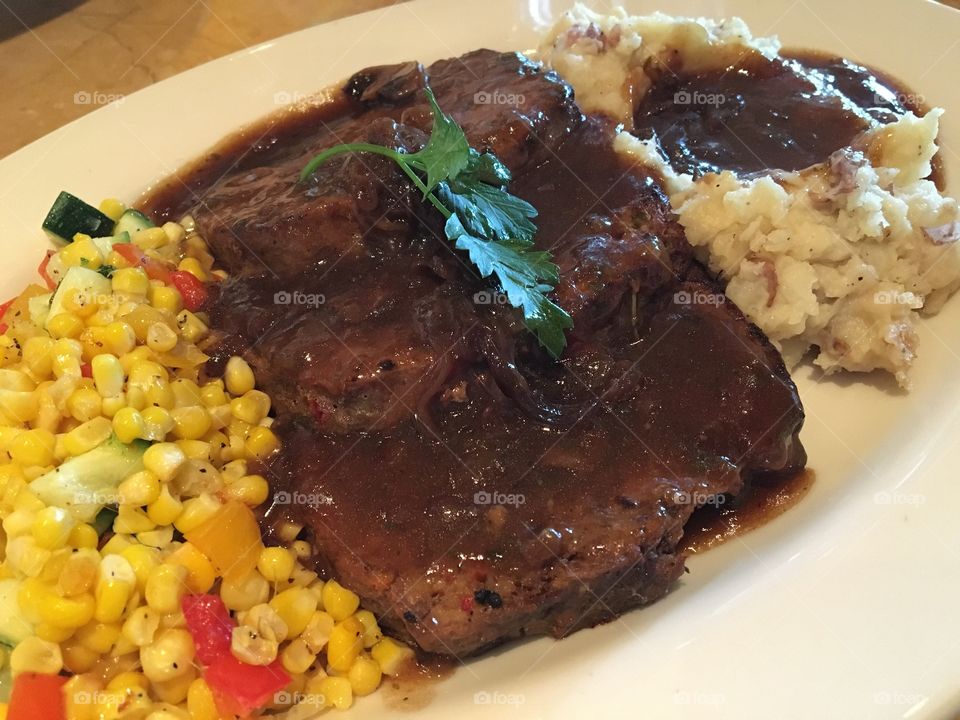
point(60, 59)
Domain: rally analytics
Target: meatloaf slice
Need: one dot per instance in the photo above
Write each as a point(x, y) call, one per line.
point(471, 489)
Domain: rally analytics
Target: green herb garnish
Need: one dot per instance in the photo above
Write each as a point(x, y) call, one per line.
point(492, 226)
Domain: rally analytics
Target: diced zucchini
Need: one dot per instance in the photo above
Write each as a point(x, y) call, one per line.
point(85, 281)
point(71, 215)
point(39, 307)
point(133, 221)
point(84, 484)
point(14, 627)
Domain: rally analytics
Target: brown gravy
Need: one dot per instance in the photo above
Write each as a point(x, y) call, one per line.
point(785, 114)
point(713, 525)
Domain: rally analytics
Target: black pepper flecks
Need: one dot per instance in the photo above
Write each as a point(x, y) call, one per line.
point(488, 597)
point(409, 617)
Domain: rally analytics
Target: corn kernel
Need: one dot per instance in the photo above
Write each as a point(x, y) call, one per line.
point(81, 304)
point(129, 425)
point(35, 655)
point(150, 238)
point(143, 560)
point(252, 407)
point(192, 328)
point(371, 629)
point(391, 656)
point(172, 694)
point(317, 633)
point(113, 404)
point(190, 423)
point(37, 356)
point(197, 511)
point(33, 447)
point(244, 592)
point(141, 627)
point(51, 528)
point(115, 585)
point(345, 644)
point(65, 325)
point(261, 443)
point(52, 634)
point(166, 585)
point(119, 338)
point(87, 436)
point(63, 612)
point(169, 656)
point(84, 536)
point(340, 602)
point(160, 338)
point(197, 450)
point(275, 564)
point(163, 459)
point(159, 538)
point(116, 544)
point(84, 404)
point(364, 675)
point(249, 647)
point(337, 692)
point(132, 281)
point(296, 657)
point(200, 701)
point(128, 682)
point(238, 376)
point(166, 298)
point(81, 252)
point(80, 572)
point(77, 658)
point(158, 423)
point(131, 520)
point(295, 606)
point(141, 488)
point(166, 508)
point(251, 490)
point(112, 208)
point(98, 637)
point(212, 394)
point(78, 693)
point(107, 374)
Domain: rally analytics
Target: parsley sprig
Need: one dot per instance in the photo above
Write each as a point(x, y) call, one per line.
point(483, 219)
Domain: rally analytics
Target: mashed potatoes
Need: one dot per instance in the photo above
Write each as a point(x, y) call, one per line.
point(842, 256)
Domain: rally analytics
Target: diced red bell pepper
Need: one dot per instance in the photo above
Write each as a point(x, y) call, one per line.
point(42, 269)
point(155, 269)
point(210, 624)
point(86, 370)
point(238, 688)
point(35, 696)
point(192, 290)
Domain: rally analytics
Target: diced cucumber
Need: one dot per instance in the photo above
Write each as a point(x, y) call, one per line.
point(85, 281)
point(14, 627)
point(71, 215)
point(39, 308)
point(105, 244)
point(84, 484)
point(133, 221)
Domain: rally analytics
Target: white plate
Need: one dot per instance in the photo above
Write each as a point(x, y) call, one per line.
point(847, 606)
